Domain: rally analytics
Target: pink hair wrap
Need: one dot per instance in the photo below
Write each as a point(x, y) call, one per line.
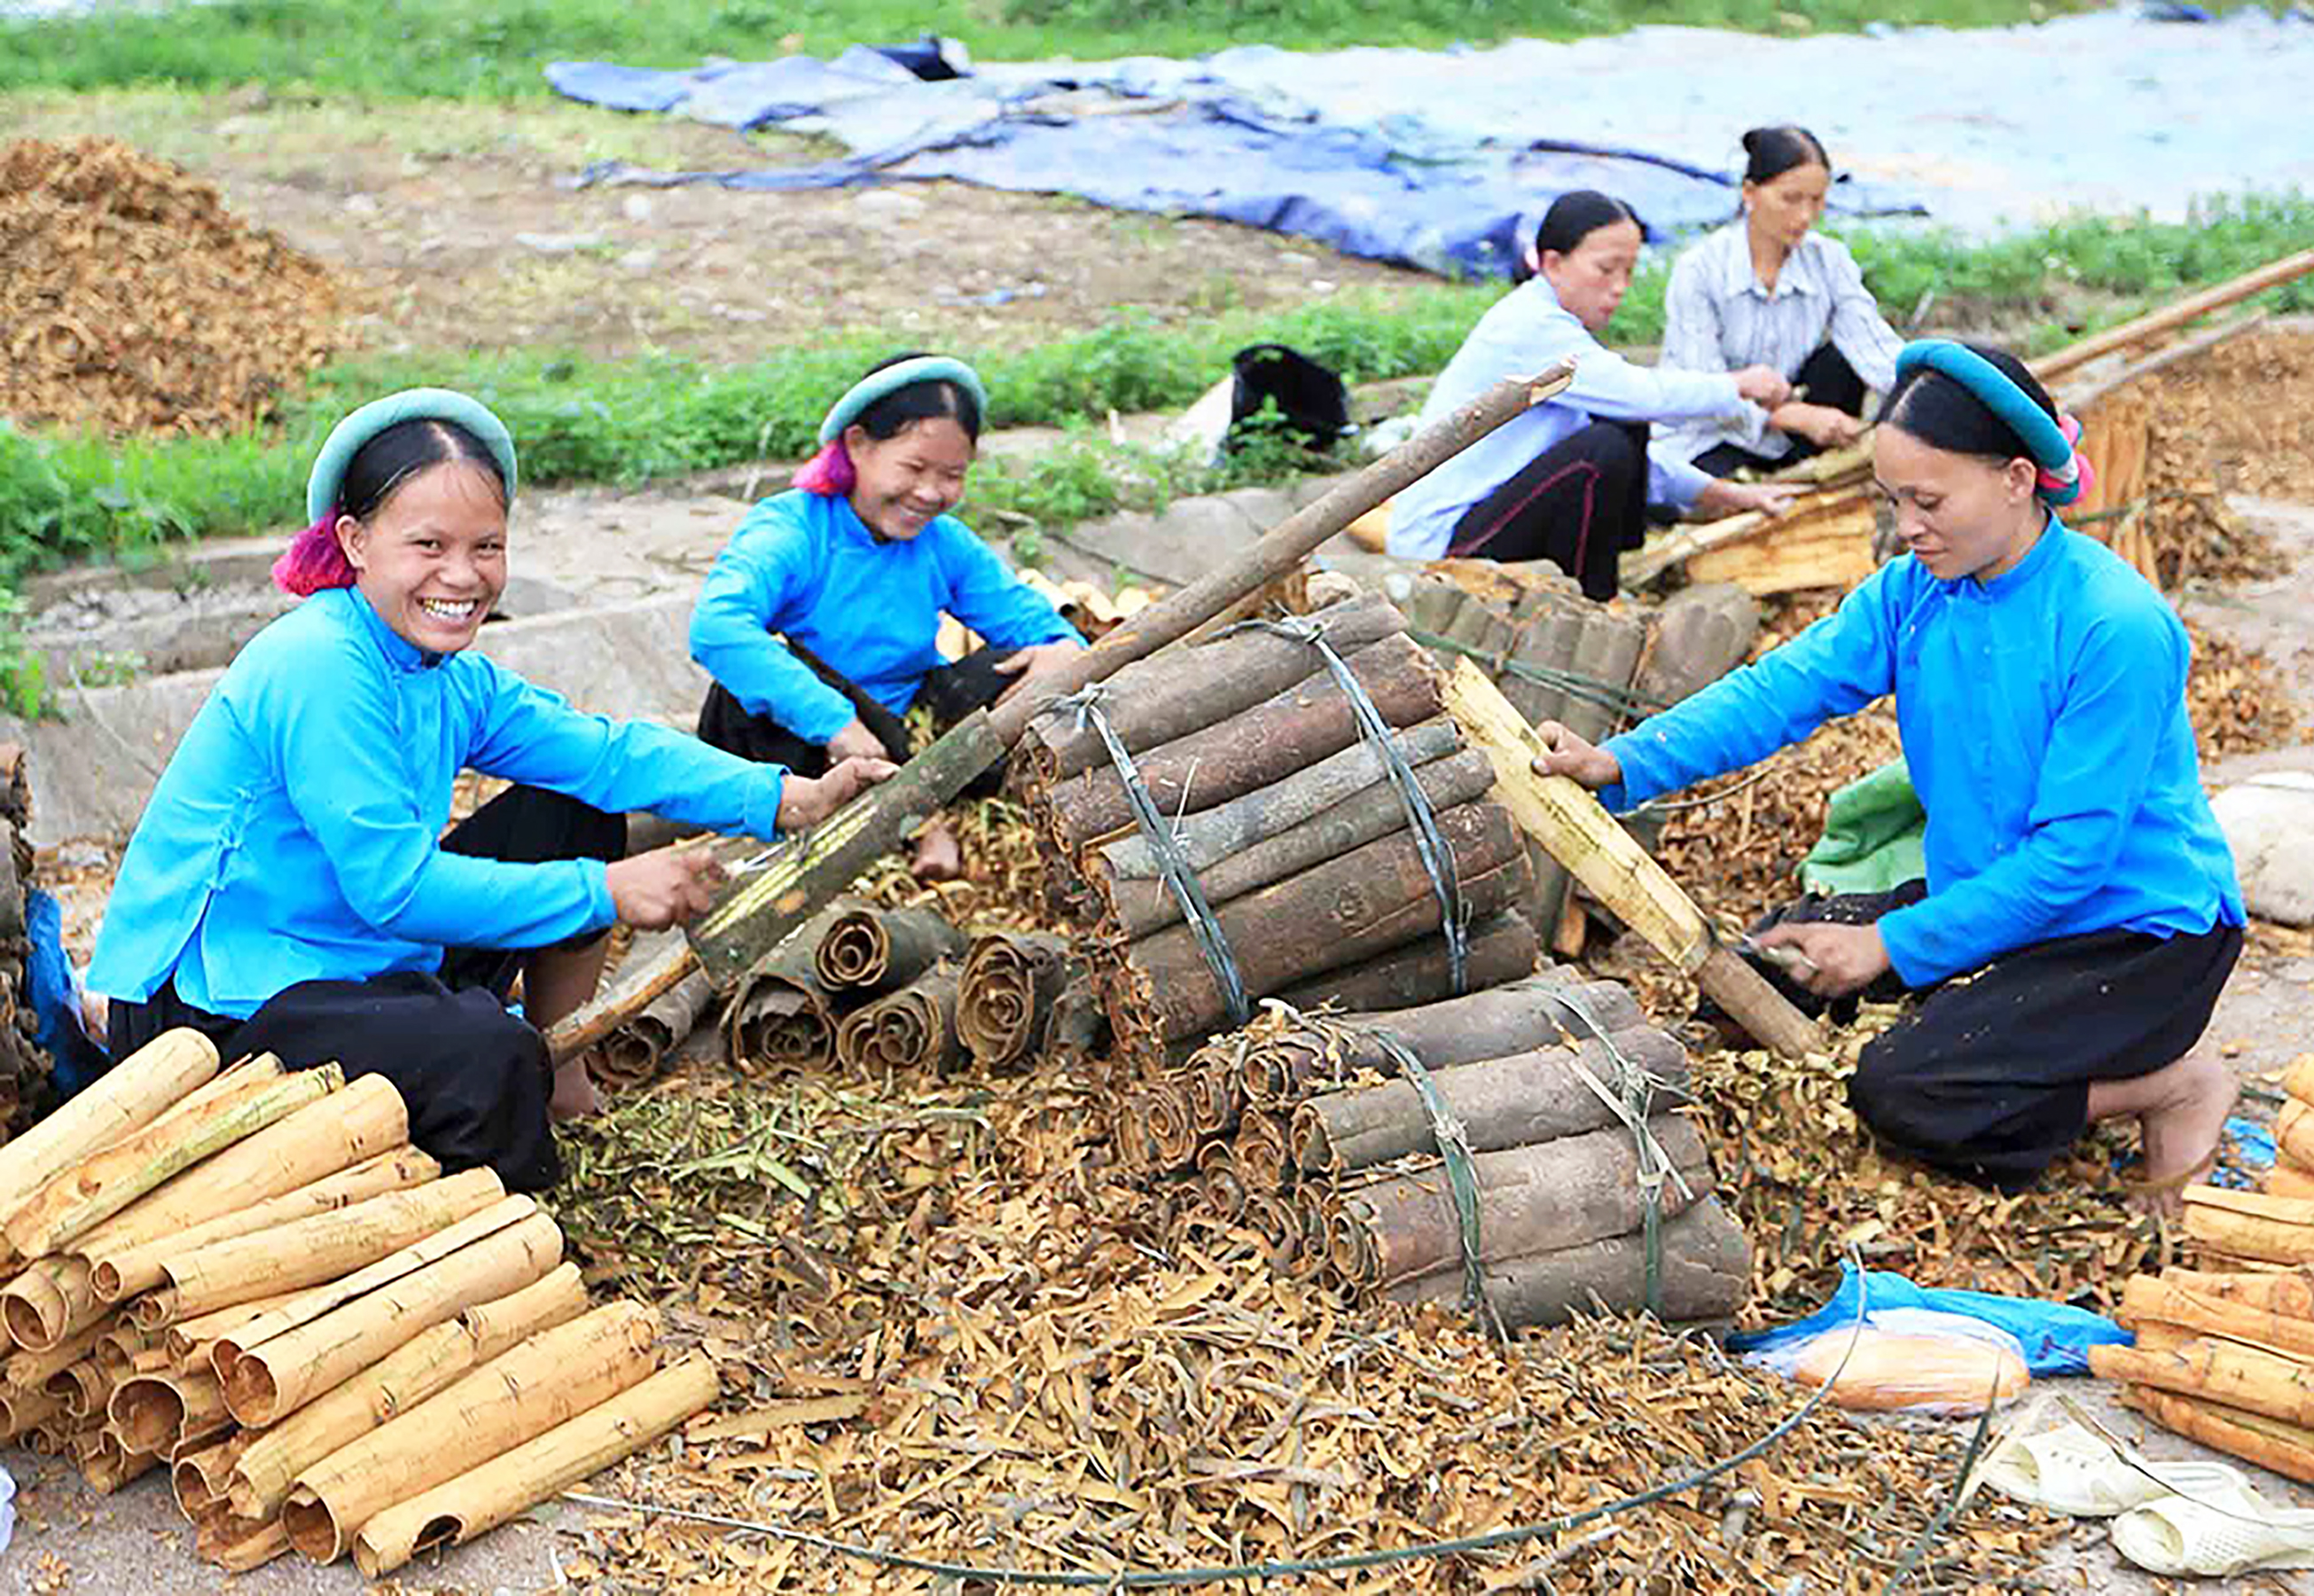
point(313, 561)
point(828, 473)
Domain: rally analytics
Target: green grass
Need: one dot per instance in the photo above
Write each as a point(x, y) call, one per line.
point(494, 49)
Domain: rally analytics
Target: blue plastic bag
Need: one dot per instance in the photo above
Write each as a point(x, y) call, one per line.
point(2054, 1339)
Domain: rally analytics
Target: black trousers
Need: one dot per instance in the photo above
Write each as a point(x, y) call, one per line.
point(1829, 380)
point(951, 692)
point(1988, 1078)
point(1579, 504)
point(476, 1079)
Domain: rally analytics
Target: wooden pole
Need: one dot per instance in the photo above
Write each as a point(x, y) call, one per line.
point(2201, 343)
point(759, 909)
point(1597, 852)
point(2170, 317)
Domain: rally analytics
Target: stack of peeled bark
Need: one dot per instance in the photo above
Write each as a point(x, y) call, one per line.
point(1307, 1132)
point(2292, 1174)
point(1593, 667)
point(249, 1278)
point(1299, 841)
point(879, 991)
point(23, 1066)
point(2225, 1353)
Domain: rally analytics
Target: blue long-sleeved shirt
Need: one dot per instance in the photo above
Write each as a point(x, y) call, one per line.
point(293, 835)
point(805, 565)
point(2044, 719)
point(1524, 331)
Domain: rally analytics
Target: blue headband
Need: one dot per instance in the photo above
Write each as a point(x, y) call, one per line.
point(891, 379)
point(2044, 439)
point(326, 484)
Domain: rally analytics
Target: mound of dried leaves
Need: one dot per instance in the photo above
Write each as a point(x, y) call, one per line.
point(133, 302)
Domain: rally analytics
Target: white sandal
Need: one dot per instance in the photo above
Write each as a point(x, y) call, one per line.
point(2216, 1534)
point(2070, 1470)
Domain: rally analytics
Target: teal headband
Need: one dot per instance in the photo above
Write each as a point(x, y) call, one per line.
point(325, 485)
point(891, 379)
point(2034, 427)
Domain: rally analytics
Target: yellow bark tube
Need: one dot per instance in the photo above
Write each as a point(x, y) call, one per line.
point(2270, 1443)
point(274, 1378)
point(48, 1303)
point(29, 1369)
point(399, 1381)
point(325, 1247)
point(2286, 1291)
point(2251, 1224)
point(482, 1498)
point(2217, 1370)
point(545, 1382)
point(2146, 1298)
point(132, 1094)
point(155, 1412)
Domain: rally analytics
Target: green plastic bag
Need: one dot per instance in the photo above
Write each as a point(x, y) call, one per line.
point(1873, 833)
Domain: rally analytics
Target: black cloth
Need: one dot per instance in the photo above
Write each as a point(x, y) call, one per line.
point(1988, 1076)
point(1579, 504)
point(475, 1077)
point(1829, 380)
point(952, 692)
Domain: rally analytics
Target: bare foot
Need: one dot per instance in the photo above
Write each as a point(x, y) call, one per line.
point(938, 856)
point(575, 1096)
point(2181, 1113)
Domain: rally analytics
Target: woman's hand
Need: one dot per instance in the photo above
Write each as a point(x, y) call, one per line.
point(807, 801)
point(1029, 664)
point(666, 887)
point(1763, 385)
point(1820, 424)
point(855, 740)
point(1720, 498)
point(1841, 958)
point(1568, 754)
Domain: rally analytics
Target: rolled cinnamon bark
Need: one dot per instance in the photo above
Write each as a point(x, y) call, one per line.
point(870, 949)
point(914, 1028)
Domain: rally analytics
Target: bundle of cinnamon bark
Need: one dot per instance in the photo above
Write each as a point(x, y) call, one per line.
point(249, 1278)
point(2292, 1174)
point(1307, 1132)
point(1286, 817)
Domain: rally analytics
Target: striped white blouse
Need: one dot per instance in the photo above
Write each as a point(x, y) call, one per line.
point(1717, 317)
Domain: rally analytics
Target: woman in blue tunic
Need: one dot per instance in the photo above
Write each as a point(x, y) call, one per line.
point(820, 620)
point(2076, 876)
point(290, 887)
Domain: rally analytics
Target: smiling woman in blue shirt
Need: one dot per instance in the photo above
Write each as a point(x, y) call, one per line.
point(290, 887)
point(1570, 481)
point(820, 620)
point(2075, 872)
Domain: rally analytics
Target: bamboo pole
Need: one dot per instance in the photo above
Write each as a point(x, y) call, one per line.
point(311, 1251)
point(117, 1270)
point(480, 1500)
point(260, 1476)
point(547, 1380)
point(108, 1182)
point(345, 1128)
point(307, 1306)
point(48, 1302)
point(273, 1377)
point(2077, 400)
point(2245, 1377)
point(2174, 316)
point(761, 909)
point(1569, 823)
point(124, 1099)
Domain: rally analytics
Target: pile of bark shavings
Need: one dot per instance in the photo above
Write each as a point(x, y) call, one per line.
point(2246, 409)
point(133, 302)
point(2237, 702)
point(971, 1346)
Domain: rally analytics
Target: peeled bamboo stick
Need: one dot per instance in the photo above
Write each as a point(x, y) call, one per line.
point(129, 1096)
point(2220, 1371)
point(2270, 1443)
point(2146, 1298)
point(2251, 1224)
point(119, 1272)
point(307, 1306)
point(109, 1181)
point(273, 1377)
point(261, 1474)
point(1581, 835)
point(48, 1302)
point(547, 1380)
point(345, 1128)
point(480, 1500)
point(324, 1247)
point(30, 1368)
point(154, 1413)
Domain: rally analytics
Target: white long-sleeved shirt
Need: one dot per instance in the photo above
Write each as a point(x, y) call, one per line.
point(1526, 331)
point(1718, 316)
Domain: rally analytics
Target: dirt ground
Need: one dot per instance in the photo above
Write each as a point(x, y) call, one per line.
point(463, 228)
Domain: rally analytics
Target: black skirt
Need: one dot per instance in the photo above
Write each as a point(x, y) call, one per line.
point(476, 1078)
point(1988, 1078)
